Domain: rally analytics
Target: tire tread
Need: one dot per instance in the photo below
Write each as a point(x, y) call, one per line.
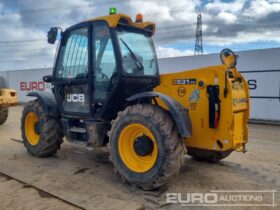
point(51, 132)
point(3, 115)
point(174, 144)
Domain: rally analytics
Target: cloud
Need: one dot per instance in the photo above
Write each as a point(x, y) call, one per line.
point(243, 38)
point(218, 6)
point(230, 22)
point(227, 17)
point(225, 23)
point(164, 52)
point(19, 22)
point(166, 11)
point(260, 8)
point(157, 10)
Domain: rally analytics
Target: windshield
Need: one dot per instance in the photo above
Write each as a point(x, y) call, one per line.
point(138, 53)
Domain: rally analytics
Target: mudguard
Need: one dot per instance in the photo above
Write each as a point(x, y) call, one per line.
point(179, 114)
point(48, 101)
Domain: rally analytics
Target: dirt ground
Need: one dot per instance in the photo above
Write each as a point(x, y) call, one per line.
point(77, 178)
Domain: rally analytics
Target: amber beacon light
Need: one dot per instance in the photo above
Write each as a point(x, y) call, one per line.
point(139, 18)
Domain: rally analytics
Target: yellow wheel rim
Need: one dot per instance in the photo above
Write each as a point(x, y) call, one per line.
point(31, 121)
point(126, 146)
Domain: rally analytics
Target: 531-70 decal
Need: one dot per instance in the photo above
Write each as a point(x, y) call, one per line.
point(183, 81)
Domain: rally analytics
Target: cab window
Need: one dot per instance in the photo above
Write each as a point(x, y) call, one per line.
point(138, 53)
point(104, 60)
point(73, 56)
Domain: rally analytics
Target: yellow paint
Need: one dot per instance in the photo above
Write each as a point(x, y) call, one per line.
point(29, 125)
point(113, 21)
point(8, 97)
point(134, 162)
point(232, 130)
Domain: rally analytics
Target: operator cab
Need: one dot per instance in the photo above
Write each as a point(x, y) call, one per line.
point(100, 63)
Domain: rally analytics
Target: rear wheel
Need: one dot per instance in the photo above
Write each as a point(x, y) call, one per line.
point(207, 155)
point(145, 146)
point(41, 134)
point(3, 115)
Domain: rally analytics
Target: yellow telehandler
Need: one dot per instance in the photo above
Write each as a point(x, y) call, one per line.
point(107, 90)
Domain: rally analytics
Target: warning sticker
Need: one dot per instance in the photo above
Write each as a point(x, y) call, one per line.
point(195, 95)
point(181, 91)
point(193, 105)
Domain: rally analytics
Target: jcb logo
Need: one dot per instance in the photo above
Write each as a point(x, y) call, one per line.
point(76, 97)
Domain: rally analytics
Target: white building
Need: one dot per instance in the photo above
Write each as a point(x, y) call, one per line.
point(260, 67)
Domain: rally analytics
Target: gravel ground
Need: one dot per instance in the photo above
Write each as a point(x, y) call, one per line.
point(77, 178)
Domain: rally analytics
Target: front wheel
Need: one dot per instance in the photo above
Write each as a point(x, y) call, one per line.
point(145, 146)
point(41, 134)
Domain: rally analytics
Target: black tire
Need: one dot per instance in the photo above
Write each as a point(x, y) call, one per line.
point(207, 155)
point(3, 115)
point(51, 134)
point(170, 156)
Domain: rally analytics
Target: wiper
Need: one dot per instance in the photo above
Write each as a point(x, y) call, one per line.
point(138, 64)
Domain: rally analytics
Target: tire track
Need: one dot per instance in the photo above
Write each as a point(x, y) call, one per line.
point(17, 140)
point(41, 192)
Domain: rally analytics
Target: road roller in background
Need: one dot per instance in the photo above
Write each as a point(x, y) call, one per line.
point(8, 97)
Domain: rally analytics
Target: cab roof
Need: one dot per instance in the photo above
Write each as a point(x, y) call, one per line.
point(115, 19)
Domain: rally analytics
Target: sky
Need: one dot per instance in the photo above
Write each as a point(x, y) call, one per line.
point(236, 24)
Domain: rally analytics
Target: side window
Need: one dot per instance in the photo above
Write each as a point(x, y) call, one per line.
point(73, 57)
point(138, 54)
point(105, 63)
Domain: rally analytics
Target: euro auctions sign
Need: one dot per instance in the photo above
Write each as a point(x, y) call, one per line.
point(236, 198)
point(33, 86)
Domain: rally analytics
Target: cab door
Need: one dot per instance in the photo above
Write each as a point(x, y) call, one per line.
point(72, 75)
point(105, 69)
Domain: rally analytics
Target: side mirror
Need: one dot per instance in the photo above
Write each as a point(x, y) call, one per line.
point(228, 58)
point(48, 78)
point(52, 35)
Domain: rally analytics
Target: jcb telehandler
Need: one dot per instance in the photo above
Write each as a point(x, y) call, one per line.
point(107, 90)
